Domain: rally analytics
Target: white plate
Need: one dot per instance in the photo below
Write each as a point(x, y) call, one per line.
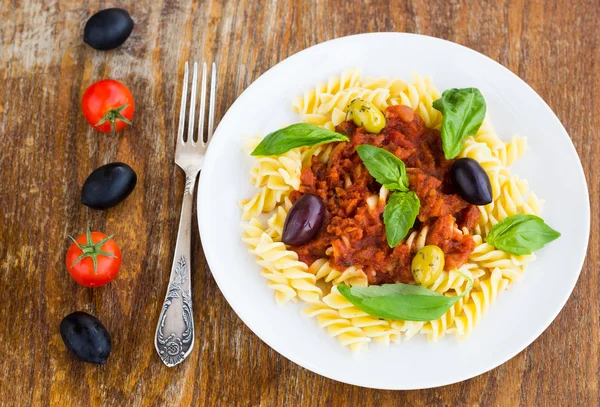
point(551, 166)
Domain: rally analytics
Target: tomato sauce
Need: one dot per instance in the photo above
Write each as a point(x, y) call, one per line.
point(353, 233)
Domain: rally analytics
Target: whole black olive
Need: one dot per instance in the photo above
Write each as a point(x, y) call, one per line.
point(85, 336)
point(304, 220)
point(471, 181)
point(107, 29)
point(108, 185)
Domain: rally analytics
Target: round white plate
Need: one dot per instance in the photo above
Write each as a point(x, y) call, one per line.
point(522, 313)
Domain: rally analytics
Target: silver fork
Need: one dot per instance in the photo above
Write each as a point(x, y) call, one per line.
point(174, 337)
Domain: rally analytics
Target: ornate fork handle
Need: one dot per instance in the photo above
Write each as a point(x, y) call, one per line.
point(174, 337)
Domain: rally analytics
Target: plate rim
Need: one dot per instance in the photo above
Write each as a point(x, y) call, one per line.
point(559, 305)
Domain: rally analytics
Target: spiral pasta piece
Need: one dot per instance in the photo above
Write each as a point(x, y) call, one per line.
point(511, 200)
point(338, 327)
point(252, 232)
point(263, 201)
point(342, 99)
point(280, 285)
point(321, 151)
point(509, 152)
point(277, 220)
point(487, 135)
point(379, 329)
point(394, 86)
point(437, 329)
point(276, 177)
point(533, 206)
point(274, 257)
point(451, 280)
point(408, 328)
point(351, 276)
point(416, 239)
point(420, 95)
point(278, 172)
point(478, 303)
point(481, 153)
point(309, 103)
point(511, 266)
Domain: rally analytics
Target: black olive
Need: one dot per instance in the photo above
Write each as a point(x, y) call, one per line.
point(107, 29)
point(85, 336)
point(108, 185)
point(304, 220)
point(471, 181)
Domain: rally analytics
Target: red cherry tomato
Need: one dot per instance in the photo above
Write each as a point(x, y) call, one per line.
point(108, 106)
point(93, 259)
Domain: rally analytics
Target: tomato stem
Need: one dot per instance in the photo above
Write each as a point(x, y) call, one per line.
point(112, 116)
point(91, 249)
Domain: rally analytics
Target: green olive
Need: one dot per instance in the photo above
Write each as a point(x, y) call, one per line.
point(365, 114)
point(427, 265)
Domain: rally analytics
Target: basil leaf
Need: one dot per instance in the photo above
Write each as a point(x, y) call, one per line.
point(399, 216)
point(384, 166)
point(296, 135)
point(401, 301)
point(521, 234)
point(463, 112)
point(391, 289)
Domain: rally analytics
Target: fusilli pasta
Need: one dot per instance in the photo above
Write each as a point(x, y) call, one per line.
point(478, 303)
point(490, 269)
point(276, 259)
point(351, 276)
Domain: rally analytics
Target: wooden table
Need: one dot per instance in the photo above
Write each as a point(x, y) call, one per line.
point(47, 151)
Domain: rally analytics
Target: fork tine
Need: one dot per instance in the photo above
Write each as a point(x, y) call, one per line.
point(211, 105)
point(202, 106)
point(190, 137)
point(182, 108)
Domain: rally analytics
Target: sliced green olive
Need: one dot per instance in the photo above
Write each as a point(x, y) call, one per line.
point(427, 265)
point(365, 114)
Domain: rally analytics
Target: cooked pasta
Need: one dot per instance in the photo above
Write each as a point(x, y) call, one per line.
point(511, 266)
point(279, 173)
point(308, 105)
point(437, 329)
point(416, 240)
point(487, 135)
point(277, 220)
point(489, 269)
point(380, 330)
point(512, 150)
point(277, 261)
point(351, 276)
point(419, 95)
point(253, 231)
point(478, 302)
point(342, 328)
point(452, 280)
point(263, 201)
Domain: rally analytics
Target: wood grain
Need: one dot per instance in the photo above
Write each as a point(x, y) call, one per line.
point(47, 150)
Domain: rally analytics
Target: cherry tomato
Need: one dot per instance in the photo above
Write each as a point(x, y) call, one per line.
point(108, 106)
point(93, 259)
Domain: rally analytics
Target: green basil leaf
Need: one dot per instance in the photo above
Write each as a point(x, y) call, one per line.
point(463, 112)
point(294, 136)
point(384, 166)
point(521, 234)
point(399, 215)
point(391, 289)
point(401, 301)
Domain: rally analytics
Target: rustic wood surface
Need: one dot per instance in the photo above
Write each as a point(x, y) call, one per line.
point(47, 150)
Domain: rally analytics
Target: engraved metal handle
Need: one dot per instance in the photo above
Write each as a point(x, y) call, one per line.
point(174, 337)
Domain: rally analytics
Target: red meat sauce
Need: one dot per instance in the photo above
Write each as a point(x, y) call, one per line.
point(355, 231)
